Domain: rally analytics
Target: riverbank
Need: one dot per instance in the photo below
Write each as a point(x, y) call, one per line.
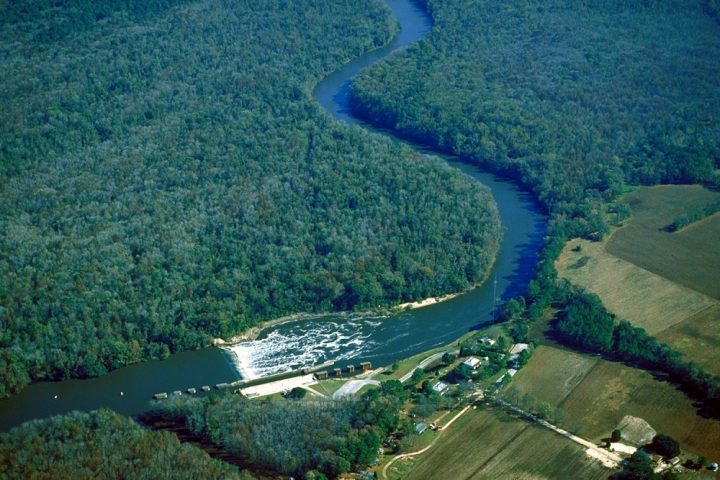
point(254, 332)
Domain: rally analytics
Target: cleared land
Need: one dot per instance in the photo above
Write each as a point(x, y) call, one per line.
point(690, 257)
point(565, 370)
point(635, 294)
point(490, 443)
point(609, 391)
point(698, 337)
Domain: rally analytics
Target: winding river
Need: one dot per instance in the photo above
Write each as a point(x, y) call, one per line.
point(344, 338)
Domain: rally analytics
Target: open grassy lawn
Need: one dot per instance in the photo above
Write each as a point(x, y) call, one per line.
point(632, 293)
point(564, 371)
point(609, 391)
point(490, 443)
point(698, 337)
point(690, 257)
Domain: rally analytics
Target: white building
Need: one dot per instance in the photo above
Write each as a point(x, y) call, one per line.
point(472, 363)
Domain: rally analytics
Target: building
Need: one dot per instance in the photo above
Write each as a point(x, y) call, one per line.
point(472, 363)
point(420, 427)
point(321, 375)
point(351, 369)
point(441, 387)
point(487, 341)
point(518, 347)
point(366, 366)
point(338, 372)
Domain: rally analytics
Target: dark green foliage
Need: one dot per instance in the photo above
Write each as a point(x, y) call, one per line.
point(571, 99)
point(586, 324)
point(691, 217)
point(102, 445)
point(296, 393)
point(664, 445)
point(52, 20)
point(640, 467)
point(171, 181)
point(295, 437)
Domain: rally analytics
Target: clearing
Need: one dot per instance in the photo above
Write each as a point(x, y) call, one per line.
point(635, 294)
point(608, 392)
point(690, 257)
point(491, 443)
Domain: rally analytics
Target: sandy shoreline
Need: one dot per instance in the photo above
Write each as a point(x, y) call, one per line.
point(253, 332)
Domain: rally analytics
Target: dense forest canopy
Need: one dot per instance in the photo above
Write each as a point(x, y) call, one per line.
point(165, 178)
point(295, 436)
point(102, 445)
point(571, 98)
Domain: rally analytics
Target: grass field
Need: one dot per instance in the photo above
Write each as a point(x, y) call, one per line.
point(690, 257)
point(566, 370)
point(609, 391)
point(632, 293)
point(489, 443)
point(698, 338)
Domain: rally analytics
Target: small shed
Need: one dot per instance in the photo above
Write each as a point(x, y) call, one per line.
point(440, 387)
point(472, 363)
point(519, 347)
point(420, 427)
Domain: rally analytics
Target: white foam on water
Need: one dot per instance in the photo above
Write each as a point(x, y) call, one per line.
point(304, 344)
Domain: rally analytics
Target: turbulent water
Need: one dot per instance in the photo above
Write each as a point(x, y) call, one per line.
point(302, 344)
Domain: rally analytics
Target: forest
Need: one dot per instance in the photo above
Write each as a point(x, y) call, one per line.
point(166, 178)
point(575, 102)
point(309, 438)
point(103, 445)
point(572, 99)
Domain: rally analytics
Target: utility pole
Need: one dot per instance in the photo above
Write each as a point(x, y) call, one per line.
point(494, 297)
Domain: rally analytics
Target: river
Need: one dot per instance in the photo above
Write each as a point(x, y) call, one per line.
point(345, 338)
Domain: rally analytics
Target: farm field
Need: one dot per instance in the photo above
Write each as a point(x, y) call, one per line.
point(698, 337)
point(490, 443)
point(658, 299)
point(633, 293)
point(689, 257)
point(609, 391)
point(565, 370)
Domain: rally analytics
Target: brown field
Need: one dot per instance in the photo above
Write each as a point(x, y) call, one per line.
point(489, 443)
point(632, 293)
point(609, 391)
point(690, 257)
point(564, 371)
point(698, 337)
